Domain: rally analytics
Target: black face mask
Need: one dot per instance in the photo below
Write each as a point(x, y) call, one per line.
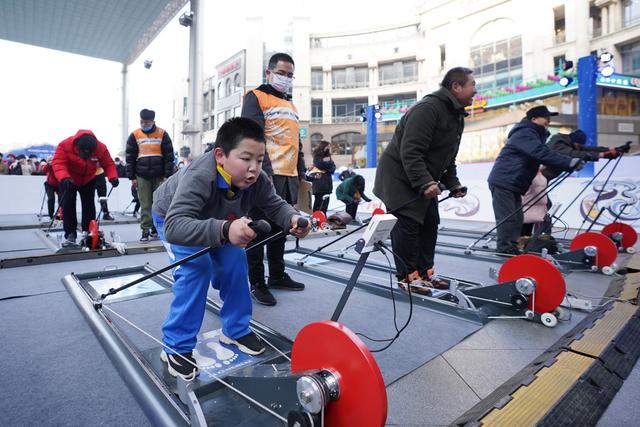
point(85, 154)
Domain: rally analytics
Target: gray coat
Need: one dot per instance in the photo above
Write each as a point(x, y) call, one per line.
point(422, 151)
point(194, 207)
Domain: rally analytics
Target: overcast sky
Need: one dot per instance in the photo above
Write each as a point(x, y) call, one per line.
point(48, 95)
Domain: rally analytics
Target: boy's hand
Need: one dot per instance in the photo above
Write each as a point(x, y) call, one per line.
point(240, 234)
point(299, 229)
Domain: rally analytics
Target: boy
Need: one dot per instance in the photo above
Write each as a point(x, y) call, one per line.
point(204, 205)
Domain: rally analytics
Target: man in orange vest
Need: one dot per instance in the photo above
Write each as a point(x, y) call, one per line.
point(149, 158)
point(270, 106)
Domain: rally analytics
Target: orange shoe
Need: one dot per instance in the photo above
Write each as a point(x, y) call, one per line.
point(414, 282)
point(435, 282)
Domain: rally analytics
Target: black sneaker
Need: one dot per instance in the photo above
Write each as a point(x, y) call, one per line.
point(145, 237)
point(153, 234)
point(261, 293)
point(107, 217)
point(70, 241)
point(509, 252)
point(249, 344)
point(285, 282)
point(178, 366)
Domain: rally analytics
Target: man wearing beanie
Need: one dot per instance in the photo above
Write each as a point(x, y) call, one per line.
point(149, 158)
point(74, 166)
point(572, 145)
point(514, 170)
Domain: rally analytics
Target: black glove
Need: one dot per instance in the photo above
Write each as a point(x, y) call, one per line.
point(592, 157)
point(577, 164)
point(458, 192)
point(624, 148)
point(66, 184)
point(612, 154)
point(114, 182)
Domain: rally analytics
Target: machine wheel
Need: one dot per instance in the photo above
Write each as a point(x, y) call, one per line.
point(549, 320)
point(550, 287)
point(631, 250)
point(629, 235)
point(362, 394)
point(561, 313)
point(607, 270)
point(529, 314)
point(607, 250)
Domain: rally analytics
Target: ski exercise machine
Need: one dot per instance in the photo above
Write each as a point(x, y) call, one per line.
point(327, 376)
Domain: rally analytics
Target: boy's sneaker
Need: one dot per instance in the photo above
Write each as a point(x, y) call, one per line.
point(107, 217)
point(285, 282)
point(153, 234)
point(178, 366)
point(261, 293)
point(249, 344)
point(145, 237)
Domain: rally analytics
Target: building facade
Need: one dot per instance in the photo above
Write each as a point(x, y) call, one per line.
point(518, 50)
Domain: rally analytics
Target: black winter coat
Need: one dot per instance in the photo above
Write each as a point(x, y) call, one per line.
point(561, 143)
point(422, 151)
point(153, 166)
point(518, 162)
point(324, 184)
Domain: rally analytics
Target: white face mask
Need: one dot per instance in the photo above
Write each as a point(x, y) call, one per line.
point(282, 84)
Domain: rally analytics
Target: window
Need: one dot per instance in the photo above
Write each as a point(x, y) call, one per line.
point(443, 56)
point(497, 63)
point(344, 143)
point(350, 77)
point(184, 106)
point(220, 91)
point(558, 63)
point(347, 110)
point(630, 12)
point(227, 87)
point(631, 58)
point(316, 79)
point(595, 16)
point(316, 111)
point(236, 83)
point(339, 112)
point(398, 72)
point(617, 102)
point(205, 103)
point(558, 24)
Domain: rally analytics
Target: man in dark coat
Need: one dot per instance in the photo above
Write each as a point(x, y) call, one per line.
point(573, 145)
point(514, 170)
point(420, 156)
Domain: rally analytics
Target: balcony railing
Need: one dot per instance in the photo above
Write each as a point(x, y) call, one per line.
point(350, 85)
point(316, 120)
point(560, 36)
point(399, 80)
point(345, 119)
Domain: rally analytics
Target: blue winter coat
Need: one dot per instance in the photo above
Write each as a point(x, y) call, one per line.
point(519, 160)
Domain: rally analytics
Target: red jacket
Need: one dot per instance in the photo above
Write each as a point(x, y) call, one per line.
point(68, 164)
point(47, 169)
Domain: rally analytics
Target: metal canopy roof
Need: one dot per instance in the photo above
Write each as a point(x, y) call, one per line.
point(116, 30)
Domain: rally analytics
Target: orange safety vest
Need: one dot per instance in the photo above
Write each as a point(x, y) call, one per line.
point(281, 129)
point(149, 144)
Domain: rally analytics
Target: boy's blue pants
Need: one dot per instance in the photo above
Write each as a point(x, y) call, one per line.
point(225, 268)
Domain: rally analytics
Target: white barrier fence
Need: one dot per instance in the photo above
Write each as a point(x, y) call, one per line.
point(24, 195)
